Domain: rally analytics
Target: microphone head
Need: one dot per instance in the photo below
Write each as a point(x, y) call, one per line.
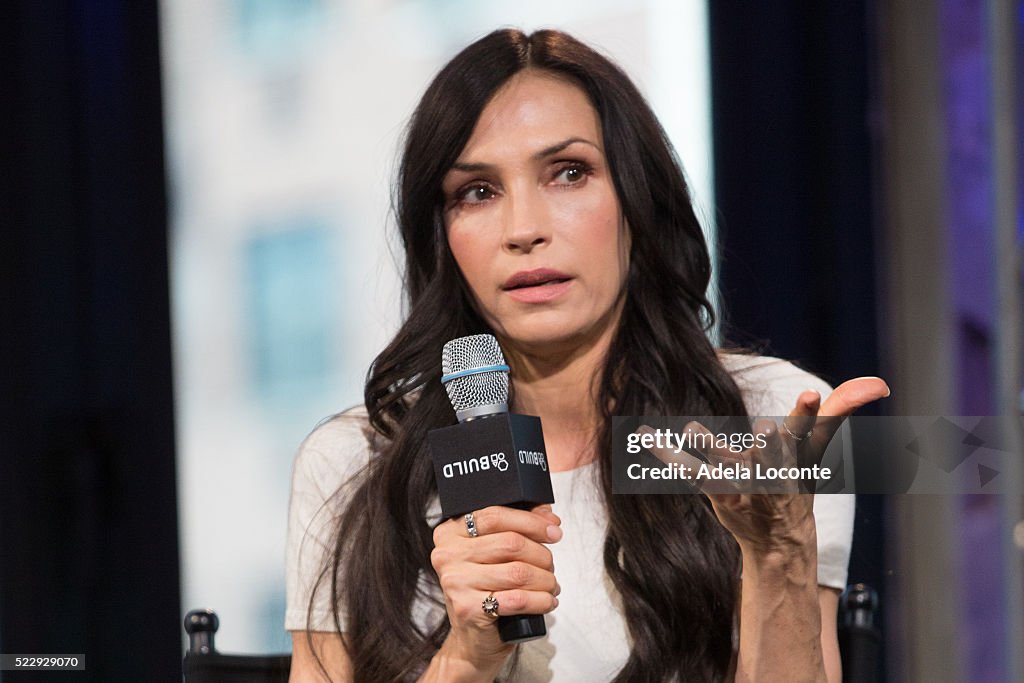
point(475, 376)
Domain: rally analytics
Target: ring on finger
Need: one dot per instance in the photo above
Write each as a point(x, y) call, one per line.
point(796, 437)
point(490, 605)
point(471, 526)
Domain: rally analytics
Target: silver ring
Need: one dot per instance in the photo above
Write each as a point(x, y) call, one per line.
point(471, 526)
point(795, 437)
point(490, 605)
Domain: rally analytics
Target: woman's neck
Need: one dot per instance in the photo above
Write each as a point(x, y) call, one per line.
point(561, 389)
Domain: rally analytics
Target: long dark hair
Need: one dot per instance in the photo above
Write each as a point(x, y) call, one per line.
point(674, 565)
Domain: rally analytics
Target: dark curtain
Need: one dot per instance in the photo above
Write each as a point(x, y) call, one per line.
point(87, 492)
point(796, 183)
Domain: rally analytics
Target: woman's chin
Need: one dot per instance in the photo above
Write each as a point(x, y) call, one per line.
point(546, 339)
point(555, 332)
point(545, 343)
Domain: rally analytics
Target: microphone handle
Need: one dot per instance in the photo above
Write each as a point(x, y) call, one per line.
point(520, 628)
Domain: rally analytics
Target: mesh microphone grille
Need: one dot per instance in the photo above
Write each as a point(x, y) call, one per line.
point(481, 389)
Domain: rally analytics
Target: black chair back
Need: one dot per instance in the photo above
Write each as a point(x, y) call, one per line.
point(203, 664)
point(860, 640)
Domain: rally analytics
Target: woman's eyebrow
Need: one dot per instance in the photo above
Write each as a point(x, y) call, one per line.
point(556, 148)
point(546, 152)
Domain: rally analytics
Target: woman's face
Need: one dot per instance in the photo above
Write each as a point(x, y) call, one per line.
point(533, 220)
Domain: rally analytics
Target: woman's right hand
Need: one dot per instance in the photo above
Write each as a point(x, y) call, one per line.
point(506, 558)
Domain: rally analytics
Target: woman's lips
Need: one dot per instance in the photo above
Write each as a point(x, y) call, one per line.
point(540, 293)
point(537, 276)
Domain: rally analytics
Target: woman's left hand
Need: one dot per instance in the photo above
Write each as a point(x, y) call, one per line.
point(775, 522)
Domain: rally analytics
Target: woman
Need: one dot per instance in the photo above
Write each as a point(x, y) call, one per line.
point(540, 201)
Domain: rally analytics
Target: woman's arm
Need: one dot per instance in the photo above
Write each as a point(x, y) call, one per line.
point(331, 651)
point(828, 601)
point(329, 648)
point(780, 613)
point(787, 625)
point(775, 604)
point(787, 628)
point(334, 657)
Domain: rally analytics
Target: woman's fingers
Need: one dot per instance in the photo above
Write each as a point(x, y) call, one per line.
point(540, 524)
point(699, 440)
point(852, 394)
point(798, 424)
point(694, 432)
point(502, 570)
point(466, 578)
point(495, 566)
point(524, 602)
point(843, 402)
point(507, 546)
point(516, 570)
point(772, 453)
point(468, 605)
point(514, 576)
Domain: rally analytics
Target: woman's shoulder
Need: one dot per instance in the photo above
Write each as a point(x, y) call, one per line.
point(325, 477)
point(337, 448)
point(770, 385)
point(347, 428)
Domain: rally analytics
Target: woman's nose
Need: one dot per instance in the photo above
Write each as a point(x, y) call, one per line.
point(526, 224)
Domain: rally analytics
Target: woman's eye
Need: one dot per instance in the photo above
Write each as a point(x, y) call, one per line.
point(475, 194)
point(572, 174)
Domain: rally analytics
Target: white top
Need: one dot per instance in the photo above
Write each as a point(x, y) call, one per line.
point(587, 637)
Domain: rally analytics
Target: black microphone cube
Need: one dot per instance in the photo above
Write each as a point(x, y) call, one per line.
point(494, 460)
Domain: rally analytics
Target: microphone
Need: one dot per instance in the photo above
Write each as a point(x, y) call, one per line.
point(492, 457)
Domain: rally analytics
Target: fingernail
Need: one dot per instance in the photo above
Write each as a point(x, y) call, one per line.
point(888, 391)
point(554, 532)
point(556, 602)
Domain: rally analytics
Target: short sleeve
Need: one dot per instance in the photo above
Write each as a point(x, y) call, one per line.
point(770, 387)
point(324, 478)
